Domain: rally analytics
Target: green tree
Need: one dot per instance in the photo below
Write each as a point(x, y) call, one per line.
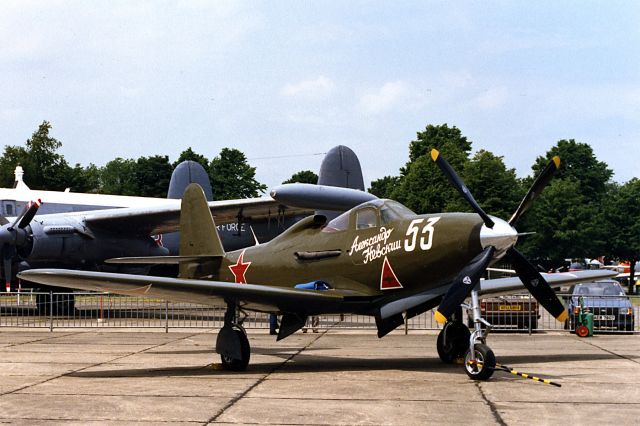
point(578, 161)
point(189, 154)
point(623, 219)
point(384, 187)
point(495, 188)
point(422, 186)
point(43, 167)
point(12, 157)
point(304, 176)
point(153, 175)
point(232, 177)
point(569, 217)
point(566, 225)
point(118, 177)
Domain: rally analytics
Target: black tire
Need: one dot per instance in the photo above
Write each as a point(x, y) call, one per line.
point(457, 341)
point(233, 364)
point(486, 363)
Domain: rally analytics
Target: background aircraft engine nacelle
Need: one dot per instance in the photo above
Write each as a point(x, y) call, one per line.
point(69, 242)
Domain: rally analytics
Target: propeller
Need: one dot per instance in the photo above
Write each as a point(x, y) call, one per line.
point(499, 236)
point(15, 235)
point(463, 284)
point(460, 186)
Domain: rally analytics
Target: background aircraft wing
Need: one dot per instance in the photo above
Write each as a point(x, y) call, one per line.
point(250, 296)
point(163, 219)
point(513, 284)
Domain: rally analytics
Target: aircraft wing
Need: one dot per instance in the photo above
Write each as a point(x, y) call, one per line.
point(513, 284)
point(162, 219)
point(250, 296)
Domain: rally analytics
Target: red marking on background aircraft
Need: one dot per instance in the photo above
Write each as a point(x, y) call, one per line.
point(239, 269)
point(388, 278)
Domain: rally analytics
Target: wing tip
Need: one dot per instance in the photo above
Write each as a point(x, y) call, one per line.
point(556, 161)
point(435, 154)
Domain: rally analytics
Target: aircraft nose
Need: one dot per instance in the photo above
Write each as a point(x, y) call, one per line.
point(502, 236)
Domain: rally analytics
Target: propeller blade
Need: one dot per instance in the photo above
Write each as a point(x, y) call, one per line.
point(30, 211)
point(460, 186)
point(536, 188)
point(463, 284)
point(537, 285)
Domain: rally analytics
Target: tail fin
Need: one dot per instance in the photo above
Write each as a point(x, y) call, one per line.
point(198, 233)
point(340, 167)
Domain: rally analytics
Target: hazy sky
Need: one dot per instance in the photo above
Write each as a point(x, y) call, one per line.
point(293, 79)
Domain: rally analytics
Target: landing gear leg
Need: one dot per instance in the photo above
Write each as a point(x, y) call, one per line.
point(453, 340)
point(479, 360)
point(232, 343)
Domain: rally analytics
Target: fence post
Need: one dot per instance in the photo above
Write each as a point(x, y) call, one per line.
point(51, 311)
point(529, 314)
point(166, 316)
point(406, 324)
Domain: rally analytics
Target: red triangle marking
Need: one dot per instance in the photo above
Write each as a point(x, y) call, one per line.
point(388, 279)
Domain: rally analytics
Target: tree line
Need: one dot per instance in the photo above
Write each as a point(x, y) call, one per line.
point(582, 213)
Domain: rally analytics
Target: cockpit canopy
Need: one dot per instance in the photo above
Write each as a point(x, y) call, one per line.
point(369, 214)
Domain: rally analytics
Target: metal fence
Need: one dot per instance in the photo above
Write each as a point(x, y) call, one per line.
point(89, 310)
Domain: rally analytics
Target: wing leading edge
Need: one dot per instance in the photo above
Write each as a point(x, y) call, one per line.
point(250, 296)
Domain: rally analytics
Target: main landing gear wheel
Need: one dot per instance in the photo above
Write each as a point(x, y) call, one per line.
point(453, 341)
point(484, 364)
point(238, 364)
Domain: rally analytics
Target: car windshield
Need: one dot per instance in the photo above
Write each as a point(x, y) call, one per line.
point(604, 288)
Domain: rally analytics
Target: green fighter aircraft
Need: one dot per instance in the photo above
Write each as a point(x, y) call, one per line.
point(378, 259)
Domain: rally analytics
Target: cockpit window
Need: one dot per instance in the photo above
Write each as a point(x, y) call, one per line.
point(400, 209)
point(366, 218)
point(340, 223)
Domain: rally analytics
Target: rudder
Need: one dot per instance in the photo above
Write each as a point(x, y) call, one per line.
point(198, 233)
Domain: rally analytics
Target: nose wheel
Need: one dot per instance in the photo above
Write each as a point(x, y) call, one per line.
point(480, 365)
point(479, 359)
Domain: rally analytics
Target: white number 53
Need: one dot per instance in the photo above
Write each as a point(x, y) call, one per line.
point(414, 229)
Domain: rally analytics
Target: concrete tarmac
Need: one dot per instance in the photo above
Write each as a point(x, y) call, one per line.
point(144, 377)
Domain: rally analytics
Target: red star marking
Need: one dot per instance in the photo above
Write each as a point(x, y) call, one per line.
point(388, 279)
point(239, 269)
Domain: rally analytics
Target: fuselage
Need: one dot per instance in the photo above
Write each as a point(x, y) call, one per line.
point(393, 258)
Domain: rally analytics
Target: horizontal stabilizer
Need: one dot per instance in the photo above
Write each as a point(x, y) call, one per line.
point(161, 260)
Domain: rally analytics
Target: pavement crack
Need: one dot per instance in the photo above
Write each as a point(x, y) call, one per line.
point(93, 365)
point(233, 401)
point(494, 410)
point(610, 352)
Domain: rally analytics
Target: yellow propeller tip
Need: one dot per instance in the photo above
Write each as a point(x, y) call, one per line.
point(434, 154)
point(556, 161)
point(563, 316)
point(441, 319)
